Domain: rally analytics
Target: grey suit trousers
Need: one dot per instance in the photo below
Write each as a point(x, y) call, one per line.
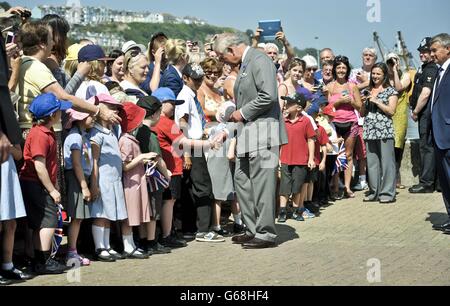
point(255, 183)
point(381, 169)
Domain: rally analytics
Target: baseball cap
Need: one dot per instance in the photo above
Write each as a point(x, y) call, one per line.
point(131, 44)
point(296, 98)
point(92, 53)
point(194, 71)
point(46, 104)
point(132, 116)
point(107, 99)
point(76, 115)
point(320, 100)
point(72, 52)
point(165, 94)
point(150, 104)
point(424, 45)
point(306, 93)
point(314, 109)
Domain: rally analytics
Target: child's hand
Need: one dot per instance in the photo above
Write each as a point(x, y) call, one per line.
point(95, 193)
point(56, 196)
point(311, 165)
point(322, 167)
point(149, 156)
point(86, 194)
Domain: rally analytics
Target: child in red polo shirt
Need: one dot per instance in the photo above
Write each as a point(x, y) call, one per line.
point(321, 142)
point(296, 157)
point(39, 180)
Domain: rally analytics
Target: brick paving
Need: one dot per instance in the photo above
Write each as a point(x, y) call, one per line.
point(333, 249)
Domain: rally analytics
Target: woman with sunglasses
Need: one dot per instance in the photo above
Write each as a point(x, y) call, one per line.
point(346, 98)
point(135, 66)
point(210, 98)
point(308, 81)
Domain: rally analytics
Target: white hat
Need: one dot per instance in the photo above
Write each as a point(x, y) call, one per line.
point(392, 55)
point(131, 44)
point(310, 61)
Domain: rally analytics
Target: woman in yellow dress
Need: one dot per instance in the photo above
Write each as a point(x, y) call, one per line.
point(403, 84)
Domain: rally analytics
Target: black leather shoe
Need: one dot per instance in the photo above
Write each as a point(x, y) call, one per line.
point(258, 244)
point(446, 231)
point(104, 258)
point(15, 274)
point(241, 239)
point(136, 254)
point(421, 189)
point(442, 227)
point(4, 281)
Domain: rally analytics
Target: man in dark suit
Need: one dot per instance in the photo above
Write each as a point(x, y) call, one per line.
point(260, 134)
point(440, 117)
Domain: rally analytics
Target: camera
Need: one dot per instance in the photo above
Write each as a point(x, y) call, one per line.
point(25, 14)
point(366, 93)
point(390, 62)
point(10, 38)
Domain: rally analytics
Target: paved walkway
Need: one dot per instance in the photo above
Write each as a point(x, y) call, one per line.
point(341, 247)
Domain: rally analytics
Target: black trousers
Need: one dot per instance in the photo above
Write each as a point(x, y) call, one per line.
point(427, 154)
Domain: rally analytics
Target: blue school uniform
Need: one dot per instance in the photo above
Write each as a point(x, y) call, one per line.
point(111, 203)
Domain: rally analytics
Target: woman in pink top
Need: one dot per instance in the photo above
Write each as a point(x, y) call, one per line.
point(346, 99)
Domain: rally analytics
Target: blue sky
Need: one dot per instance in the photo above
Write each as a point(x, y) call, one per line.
point(341, 25)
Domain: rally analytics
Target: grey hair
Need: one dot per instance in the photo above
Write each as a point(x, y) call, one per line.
point(371, 50)
point(226, 40)
point(443, 39)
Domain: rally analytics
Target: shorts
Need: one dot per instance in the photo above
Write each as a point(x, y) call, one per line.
point(292, 179)
point(174, 190)
point(156, 199)
point(313, 175)
point(42, 211)
point(360, 146)
point(351, 130)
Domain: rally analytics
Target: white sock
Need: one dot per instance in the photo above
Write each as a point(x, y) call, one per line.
point(98, 235)
point(216, 228)
point(106, 240)
point(7, 266)
point(128, 243)
point(237, 219)
point(362, 178)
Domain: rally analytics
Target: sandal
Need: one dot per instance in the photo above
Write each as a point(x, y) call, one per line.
point(349, 195)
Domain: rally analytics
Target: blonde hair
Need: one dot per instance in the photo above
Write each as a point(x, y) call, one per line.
point(175, 50)
point(95, 74)
point(131, 58)
point(70, 67)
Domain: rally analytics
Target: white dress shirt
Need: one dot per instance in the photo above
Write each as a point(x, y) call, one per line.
point(441, 75)
point(195, 130)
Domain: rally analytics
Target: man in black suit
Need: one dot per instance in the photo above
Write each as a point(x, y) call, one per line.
point(440, 118)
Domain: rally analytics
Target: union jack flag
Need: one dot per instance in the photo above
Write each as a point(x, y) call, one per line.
point(156, 181)
point(58, 235)
point(341, 160)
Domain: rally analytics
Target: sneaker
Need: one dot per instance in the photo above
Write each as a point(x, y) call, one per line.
point(282, 218)
point(312, 207)
point(172, 242)
point(238, 229)
point(209, 237)
point(307, 214)
point(297, 215)
point(222, 232)
point(50, 267)
point(159, 249)
point(83, 261)
point(360, 186)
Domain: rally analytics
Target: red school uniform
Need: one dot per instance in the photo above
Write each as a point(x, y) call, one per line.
point(168, 134)
point(321, 140)
point(295, 152)
point(41, 142)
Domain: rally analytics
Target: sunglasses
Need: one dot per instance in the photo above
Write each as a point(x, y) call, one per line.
point(341, 58)
point(133, 54)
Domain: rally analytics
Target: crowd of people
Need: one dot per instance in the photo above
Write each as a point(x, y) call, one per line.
point(150, 142)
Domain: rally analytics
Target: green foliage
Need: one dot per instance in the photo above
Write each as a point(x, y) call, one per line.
point(5, 5)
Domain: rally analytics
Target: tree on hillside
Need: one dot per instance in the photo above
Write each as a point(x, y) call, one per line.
point(5, 5)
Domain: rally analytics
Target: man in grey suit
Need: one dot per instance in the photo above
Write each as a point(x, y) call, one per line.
point(260, 134)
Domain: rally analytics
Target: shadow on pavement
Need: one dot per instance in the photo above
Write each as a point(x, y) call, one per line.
point(437, 218)
point(286, 233)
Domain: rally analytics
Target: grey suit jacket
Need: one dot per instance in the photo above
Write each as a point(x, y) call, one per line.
point(256, 92)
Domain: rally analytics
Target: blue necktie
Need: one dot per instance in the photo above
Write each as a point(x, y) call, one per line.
point(200, 111)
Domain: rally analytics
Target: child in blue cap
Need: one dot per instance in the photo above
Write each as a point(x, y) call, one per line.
point(39, 179)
